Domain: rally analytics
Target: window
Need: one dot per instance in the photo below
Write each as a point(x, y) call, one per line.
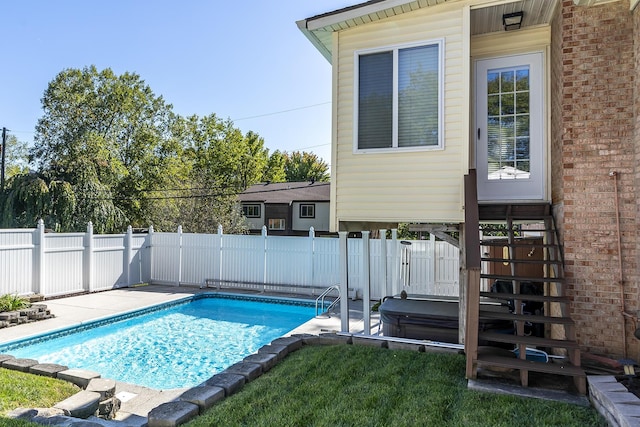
point(251, 211)
point(308, 211)
point(276, 224)
point(399, 98)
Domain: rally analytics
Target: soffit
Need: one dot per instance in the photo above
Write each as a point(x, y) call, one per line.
point(486, 16)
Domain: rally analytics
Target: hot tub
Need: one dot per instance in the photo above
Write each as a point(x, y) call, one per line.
point(432, 319)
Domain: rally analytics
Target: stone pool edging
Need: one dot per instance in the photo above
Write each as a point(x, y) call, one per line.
point(196, 400)
point(33, 313)
point(613, 401)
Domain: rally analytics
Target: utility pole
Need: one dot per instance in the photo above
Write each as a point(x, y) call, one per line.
point(4, 150)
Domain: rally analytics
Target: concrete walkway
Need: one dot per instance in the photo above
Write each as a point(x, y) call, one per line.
point(137, 401)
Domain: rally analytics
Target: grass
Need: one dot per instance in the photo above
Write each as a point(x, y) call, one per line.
point(22, 390)
point(343, 386)
point(362, 386)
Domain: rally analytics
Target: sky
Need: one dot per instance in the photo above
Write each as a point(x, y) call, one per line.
point(242, 60)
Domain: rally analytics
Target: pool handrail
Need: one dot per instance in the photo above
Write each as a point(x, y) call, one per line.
point(324, 294)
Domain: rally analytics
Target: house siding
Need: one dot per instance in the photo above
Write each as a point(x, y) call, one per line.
point(366, 185)
point(321, 221)
point(598, 123)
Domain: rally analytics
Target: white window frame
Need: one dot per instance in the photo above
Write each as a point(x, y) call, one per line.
point(252, 205)
point(308, 206)
point(277, 224)
point(394, 144)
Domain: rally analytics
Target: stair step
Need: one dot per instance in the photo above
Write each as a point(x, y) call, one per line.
point(522, 261)
point(515, 363)
point(532, 211)
point(524, 297)
point(526, 317)
point(523, 279)
point(530, 341)
point(496, 242)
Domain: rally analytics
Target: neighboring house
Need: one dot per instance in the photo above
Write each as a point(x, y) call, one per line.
point(287, 208)
point(536, 117)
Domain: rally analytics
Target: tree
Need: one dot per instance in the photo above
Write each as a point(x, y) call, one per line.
point(110, 135)
point(303, 166)
point(225, 163)
point(275, 168)
point(31, 197)
point(16, 157)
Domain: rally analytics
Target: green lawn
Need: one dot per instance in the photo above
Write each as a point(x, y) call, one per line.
point(20, 390)
point(361, 386)
point(343, 385)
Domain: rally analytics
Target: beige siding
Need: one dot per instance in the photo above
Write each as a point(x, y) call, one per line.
point(510, 43)
point(402, 186)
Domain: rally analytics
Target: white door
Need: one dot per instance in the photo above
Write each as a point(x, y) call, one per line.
point(510, 137)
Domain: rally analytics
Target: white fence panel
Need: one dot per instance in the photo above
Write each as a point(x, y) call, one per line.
point(200, 259)
point(421, 270)
point(165, 264)
point(63, 263)
point(108, 262)
point(243, 259)
point(354, 260)
point(140, 266)
point(326, 262)
point(288, 261)
point(447, 269)
point(17, 267)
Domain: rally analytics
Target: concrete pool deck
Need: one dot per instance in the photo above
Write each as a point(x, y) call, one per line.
point(137, 401)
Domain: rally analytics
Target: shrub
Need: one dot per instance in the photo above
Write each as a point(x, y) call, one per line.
point(10, 302)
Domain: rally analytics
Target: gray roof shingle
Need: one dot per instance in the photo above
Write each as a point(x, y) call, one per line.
point(287, 192)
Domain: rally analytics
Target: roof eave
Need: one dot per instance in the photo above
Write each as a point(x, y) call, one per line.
point(310, 35)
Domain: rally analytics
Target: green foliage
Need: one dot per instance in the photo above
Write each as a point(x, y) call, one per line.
point(10, 302)
point(16, 157)
point(350, 385)
point(275, 168)
point(303, 166)
point(109, 151)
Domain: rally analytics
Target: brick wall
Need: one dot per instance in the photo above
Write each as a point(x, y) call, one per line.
point(597, 136)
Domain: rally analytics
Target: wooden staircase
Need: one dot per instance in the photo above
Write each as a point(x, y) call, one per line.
point(558, 335)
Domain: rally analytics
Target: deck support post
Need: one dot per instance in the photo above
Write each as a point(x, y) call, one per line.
point(344, 281)
point(366, 289)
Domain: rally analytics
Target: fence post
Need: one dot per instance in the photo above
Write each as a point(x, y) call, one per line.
point(344, 281)
point(220, 270)
point(179, 255)
point(366, 288)
point(39, 285)
point(383, 262)
point(435, 288)
point(149, 242)
point(310, 278)
point(128, 243)
point(395, 261)
point(88, 259)
point(264, 258)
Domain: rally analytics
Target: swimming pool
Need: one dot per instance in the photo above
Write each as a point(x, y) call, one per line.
point(174, 345)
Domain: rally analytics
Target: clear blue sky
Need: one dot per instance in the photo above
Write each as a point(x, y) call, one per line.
point(237, 59)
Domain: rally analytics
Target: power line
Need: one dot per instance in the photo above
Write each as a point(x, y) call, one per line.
point(282, 111)
point(200, 196)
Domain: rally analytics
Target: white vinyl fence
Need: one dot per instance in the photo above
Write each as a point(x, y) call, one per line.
point(54, 264)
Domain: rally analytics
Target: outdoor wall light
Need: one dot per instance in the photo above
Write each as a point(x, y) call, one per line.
point(512, 21)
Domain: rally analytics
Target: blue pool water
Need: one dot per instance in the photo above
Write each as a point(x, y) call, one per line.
point(179, 346)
